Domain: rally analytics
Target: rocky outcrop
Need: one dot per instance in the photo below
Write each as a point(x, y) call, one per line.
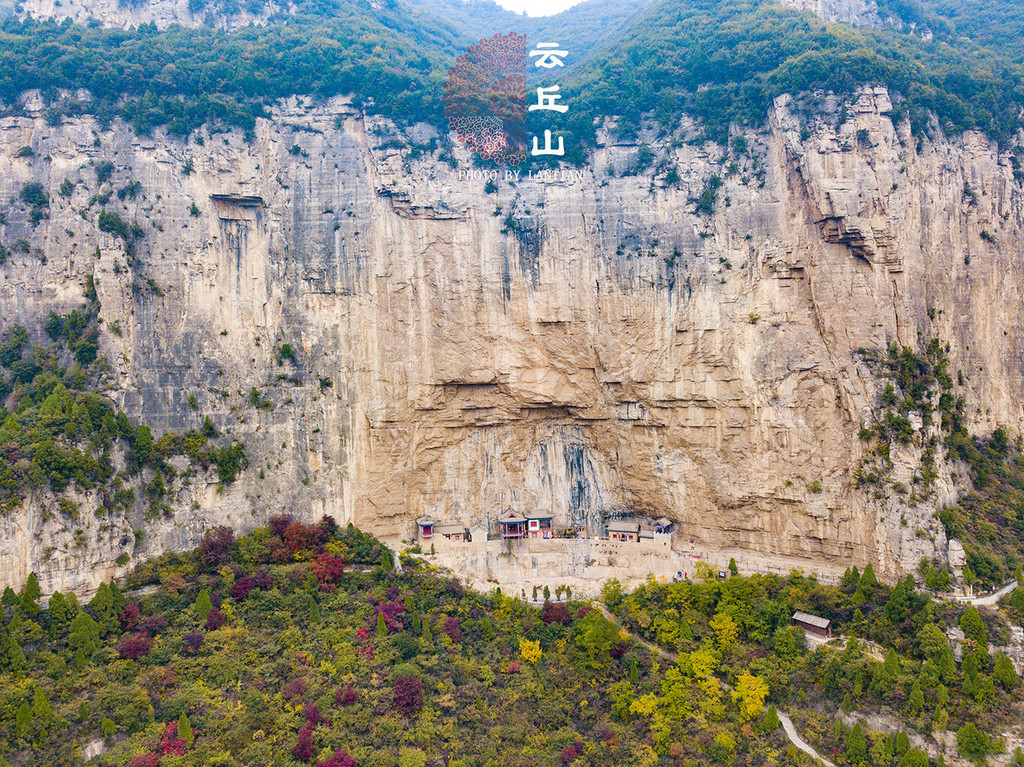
point(162, 13)
point(860, 12)
point(584, 343)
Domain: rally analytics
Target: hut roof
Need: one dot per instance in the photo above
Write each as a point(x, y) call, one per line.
point(811, 620)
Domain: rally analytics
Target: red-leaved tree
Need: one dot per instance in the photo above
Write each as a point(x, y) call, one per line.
point(408, 695)
point(453, 630)
point(134, 646)
point(215, 620)
point(339, 759)
point(345, 696)
point(170, 743)
point(304, 748)
point(555, 612)
point(569, 753)
point(327, 568)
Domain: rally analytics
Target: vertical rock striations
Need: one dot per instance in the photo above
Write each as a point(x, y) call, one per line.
point(586, 344)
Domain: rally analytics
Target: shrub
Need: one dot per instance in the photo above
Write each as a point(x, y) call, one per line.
point(192, 642)
point(104, 171)
point(338, 759)
point(304, 749)
point(33, 195)
point(112, 222)
point(555, 612)
point(408, 695)
point(134, 646)
point(215, 620)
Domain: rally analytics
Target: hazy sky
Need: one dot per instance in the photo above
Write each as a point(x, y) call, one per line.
point(538, 7)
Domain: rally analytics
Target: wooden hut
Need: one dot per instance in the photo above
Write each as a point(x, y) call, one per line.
point(812, 624)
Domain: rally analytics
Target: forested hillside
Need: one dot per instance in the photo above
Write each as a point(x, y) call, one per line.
point(300, 644)
point(721, 61)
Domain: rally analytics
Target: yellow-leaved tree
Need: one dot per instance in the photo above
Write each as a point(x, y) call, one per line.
point(530, 651)
point(750, 693)
point(725, 628)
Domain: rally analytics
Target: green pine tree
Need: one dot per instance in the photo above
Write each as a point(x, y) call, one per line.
point(23, 719)
point(974, 627)
point(916, 700)
point(204, 604)
point(885, 675)
point(382, 626)
point(185, 729)
point(12, 658)
point(107, 728)
point(84, 638)
point(771, 720)
point(1003, 673)
point(847, 703)
point(59, 614)
point(30, 596)
point(857, 744)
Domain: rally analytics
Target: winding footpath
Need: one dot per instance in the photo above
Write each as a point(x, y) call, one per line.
point(787, 723)
point(991, 599)
point(796, 740)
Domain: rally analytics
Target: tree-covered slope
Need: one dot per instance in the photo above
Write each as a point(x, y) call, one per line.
point(299, 644)
point(994, 24)
point(720, 60)
point(582, 29)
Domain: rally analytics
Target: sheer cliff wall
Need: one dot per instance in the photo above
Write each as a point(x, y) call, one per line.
point(586, 344)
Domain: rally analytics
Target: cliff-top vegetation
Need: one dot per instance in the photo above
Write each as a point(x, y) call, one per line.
point(722, 62)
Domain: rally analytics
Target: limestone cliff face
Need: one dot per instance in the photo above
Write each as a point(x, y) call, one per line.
point(162, 13)
point(582, 344)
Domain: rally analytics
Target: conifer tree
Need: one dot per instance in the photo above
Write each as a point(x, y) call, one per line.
point(204, 604)
point(59, 615)
point(856, 745)
point(84, 638)
point(1003, 673)
point(916, 700)
point(974, 627)
point(185, 729)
